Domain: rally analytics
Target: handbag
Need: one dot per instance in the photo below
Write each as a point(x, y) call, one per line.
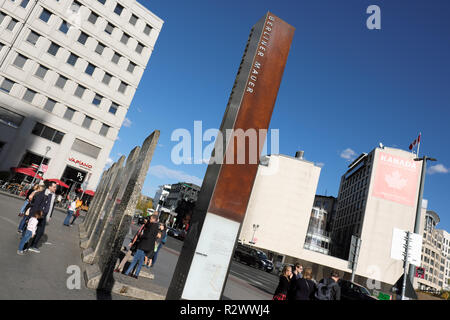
point(27, 212)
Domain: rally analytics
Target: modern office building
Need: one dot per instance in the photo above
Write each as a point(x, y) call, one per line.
point(160, 196)
point(435, 255)
point(318, 234)
point(181, 191)
point(68, 72)
point(378, 193)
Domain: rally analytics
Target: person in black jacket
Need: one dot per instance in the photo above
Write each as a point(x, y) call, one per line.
point(145, 247)
point(42, 202)
point(283, 286)
point(304, 287)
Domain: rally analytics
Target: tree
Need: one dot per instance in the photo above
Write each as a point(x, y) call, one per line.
point(144, 205)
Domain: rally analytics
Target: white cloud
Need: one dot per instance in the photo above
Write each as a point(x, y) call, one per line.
point(320, 164)
point(348, 154)
point(109, 162)
point(163, 172)
point(439, 168)
point(126, 123)
point(139, 109)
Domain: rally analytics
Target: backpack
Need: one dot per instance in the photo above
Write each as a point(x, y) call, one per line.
point(324, 291)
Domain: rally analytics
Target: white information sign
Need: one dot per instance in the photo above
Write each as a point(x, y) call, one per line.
point(212, 256)
point(414, 247)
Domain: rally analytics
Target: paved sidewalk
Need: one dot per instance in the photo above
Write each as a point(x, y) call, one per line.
point(41, 276)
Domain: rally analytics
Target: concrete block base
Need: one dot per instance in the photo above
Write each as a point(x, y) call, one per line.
point(92, 276)
point(84, 243)
point(88, 256)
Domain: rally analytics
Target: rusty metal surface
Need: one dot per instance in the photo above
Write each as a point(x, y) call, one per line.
point(235, 181)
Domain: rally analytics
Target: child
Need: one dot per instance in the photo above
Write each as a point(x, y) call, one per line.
point(149, 259)
point(31, 230)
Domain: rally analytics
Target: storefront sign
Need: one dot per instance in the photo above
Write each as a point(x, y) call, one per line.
point(81, 163)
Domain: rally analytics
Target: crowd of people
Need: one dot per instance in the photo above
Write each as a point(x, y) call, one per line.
point(144, 247)
point(37, 211)
point(299, 285)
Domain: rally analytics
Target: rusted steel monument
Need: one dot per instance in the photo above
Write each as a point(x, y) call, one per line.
point(204, 262)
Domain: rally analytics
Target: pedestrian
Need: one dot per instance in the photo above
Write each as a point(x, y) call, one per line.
point(132, 249)
point(145, 247)
point(296, 274)
point(27, 200)
point(150, 256)
point(78, 206)
point(304, 287)
point(283, 286)
point(31, 197)
point(70, 212)
point(161, 241)
point(42, 203)
point(329, 289)
point(30, 232)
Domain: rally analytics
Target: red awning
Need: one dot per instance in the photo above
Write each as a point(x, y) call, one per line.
point(28, 172)
point(59, 182)
point(88, 192)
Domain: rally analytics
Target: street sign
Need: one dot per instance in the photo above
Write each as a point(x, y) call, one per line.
point(420, 273)
point(384, 296)
point(399, 246)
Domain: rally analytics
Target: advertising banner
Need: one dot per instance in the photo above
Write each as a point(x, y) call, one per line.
point(396, 179)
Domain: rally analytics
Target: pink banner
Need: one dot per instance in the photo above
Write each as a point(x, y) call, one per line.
point(396, 179)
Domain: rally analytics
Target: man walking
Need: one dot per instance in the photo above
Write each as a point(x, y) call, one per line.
point(42, 202)
point(329, 289)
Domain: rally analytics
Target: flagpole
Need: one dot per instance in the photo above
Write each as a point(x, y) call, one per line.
point(418, 146)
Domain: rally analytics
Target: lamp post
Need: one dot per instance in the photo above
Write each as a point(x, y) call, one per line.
point(47, 149)
point(419, 207)
point(255, 227)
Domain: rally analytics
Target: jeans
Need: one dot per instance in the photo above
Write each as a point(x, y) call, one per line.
point(25, 239)
point(22, 223)
point(156, 254)
point(69, 215)
point(39, 232)
point(24, 206)
point(139, 258)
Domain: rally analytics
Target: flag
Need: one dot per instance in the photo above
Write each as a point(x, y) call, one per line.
point(416, 141)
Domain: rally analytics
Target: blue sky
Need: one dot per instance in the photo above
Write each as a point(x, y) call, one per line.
point(345, 88)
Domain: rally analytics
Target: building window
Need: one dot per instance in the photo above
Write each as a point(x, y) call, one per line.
point(72, 60)
point(69, 113)
point(50, 105)
point(2, 16)
point(87, 122)
point(97, 100)
point(61, 82)
point(29, 95)
point(93, 17)
point(20, 61)
point(33, 37)
point(64, 27)
point(24, 3)
point(107, 78)
point(102, 1)
point(139, 48)
point(104, 130)
point(7, 85)
point(118, 10)
point(12, 24)
point(86, 148)
point(147, 29)
point(133, 19)
point(10, 118)
point(100, 48)
point(83, 38)
point(125, 38)
point(41, 72)
point(47, 133)
point(113, 108)
point(116, 57)
point(79, 91)
point(45, 15)
point(90, 69)
point(131, 67)
point(53, 49)
point(122, 87)
point(109, 28)
point(76, 6)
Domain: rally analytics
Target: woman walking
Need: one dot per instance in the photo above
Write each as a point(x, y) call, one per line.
point(283, 286)
point(30, 232)
point(305, 287)
point(70, 211)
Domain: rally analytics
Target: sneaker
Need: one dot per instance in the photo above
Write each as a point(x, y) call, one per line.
point(19, 231)
point(20, 253)
point(34, 250)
